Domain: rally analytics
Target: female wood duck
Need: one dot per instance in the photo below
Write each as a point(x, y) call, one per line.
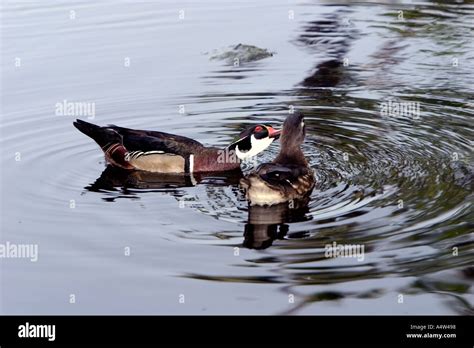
point(288, 177)
point(161, 152)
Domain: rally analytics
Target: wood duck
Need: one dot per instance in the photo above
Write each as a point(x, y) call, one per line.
point(289, 176)
point(161, 152)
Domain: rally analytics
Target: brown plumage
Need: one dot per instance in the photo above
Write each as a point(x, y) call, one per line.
point(289, 176)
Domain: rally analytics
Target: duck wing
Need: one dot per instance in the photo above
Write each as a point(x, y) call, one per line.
point(147, 141)
point(283, 176)
point(274, 183)
point(142, 149)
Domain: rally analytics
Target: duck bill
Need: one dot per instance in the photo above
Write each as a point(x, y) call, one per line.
point(273, 133)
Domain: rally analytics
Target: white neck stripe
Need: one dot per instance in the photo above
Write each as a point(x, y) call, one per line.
point(256, 146)
point(191, 163)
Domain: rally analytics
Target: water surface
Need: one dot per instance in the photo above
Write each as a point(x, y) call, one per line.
point(398, 184)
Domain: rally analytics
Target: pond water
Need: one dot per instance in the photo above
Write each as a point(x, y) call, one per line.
point(393, 178)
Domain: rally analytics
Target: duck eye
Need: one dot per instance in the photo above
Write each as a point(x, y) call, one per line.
point(258, 129)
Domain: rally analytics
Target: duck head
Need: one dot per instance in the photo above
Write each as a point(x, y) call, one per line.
point(293, 133)
point(253, 140)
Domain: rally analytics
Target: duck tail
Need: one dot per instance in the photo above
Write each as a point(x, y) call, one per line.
point(102, 135)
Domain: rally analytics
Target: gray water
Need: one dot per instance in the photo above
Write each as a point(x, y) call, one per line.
point(400, 185)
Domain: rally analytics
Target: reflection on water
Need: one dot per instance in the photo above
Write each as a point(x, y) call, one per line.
point(399, 184)
point(113, 178)
point(264, 224)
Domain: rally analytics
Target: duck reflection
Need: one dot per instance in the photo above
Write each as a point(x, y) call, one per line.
point(265, 224)
point(113, 178)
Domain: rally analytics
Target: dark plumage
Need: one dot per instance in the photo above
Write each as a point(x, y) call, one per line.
point(169, 153)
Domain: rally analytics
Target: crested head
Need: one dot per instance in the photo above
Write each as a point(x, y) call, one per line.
point(254, 140)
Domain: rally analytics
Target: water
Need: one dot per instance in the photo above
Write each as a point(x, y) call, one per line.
point(400, 185)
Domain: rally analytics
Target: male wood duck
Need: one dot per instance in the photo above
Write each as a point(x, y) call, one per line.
point(161, 152)
point(289, 176)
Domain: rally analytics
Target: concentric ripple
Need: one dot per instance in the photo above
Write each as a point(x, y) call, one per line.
point(398, 184)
